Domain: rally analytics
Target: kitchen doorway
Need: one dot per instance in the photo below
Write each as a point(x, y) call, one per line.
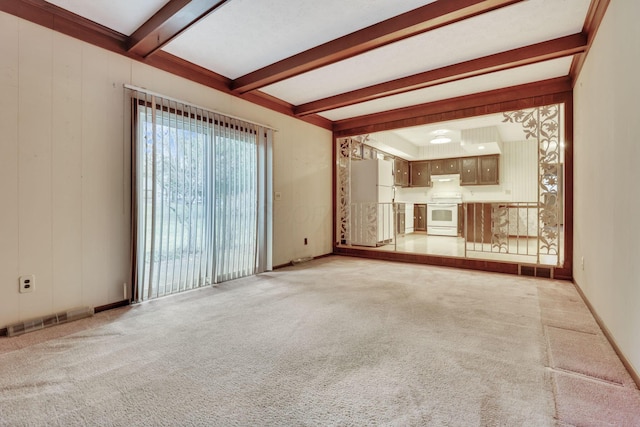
point(496, 184)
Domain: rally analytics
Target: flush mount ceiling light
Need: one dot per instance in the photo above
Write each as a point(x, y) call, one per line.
point(440, 137)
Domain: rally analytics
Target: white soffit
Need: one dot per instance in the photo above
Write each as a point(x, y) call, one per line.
point(421, 135)
point(501, 79)
point(124, 16)
point(245, 35)
point(518, 25)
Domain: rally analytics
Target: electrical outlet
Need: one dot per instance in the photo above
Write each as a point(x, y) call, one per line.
point(582, 262)
point(27, 283)
point(305, 241)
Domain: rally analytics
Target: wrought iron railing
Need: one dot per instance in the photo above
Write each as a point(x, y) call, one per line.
point(508, 232)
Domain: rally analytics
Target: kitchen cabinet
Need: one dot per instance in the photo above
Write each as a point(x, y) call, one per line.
point(420, 174)
point(480, 170)
point(489, 170)
point(419, 217)
point(479, 223)
point(469, 172)
point(445, 166)
point(400, 172)
point(476, 170)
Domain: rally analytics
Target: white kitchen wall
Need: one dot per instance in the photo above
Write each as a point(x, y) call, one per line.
point(520, 163)
point(607, 200)
point(64, 170)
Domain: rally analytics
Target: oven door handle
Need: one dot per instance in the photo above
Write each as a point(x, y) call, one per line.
point(442, 205)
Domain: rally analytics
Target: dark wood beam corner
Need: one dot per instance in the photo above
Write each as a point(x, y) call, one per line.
point(595, 14)
point(172, 19)
point(63, 21)
point(545, 92)
point(527, 55)
point(429, 17)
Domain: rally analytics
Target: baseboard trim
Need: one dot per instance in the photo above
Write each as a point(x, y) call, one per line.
point(628, 366)
point(113, 305)
point(290, 263)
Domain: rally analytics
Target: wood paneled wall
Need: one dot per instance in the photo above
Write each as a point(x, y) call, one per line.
point(65, 169)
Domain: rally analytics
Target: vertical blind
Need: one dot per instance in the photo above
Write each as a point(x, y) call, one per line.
point(201, 196)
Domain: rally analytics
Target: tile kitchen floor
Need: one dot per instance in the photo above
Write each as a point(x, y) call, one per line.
point(522, 250)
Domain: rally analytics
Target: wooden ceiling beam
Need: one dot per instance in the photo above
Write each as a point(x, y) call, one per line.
point(595, 15)
point(57, 19)
point(171, 20)
point(552, 49)
point(417, 21)
point(510, 98)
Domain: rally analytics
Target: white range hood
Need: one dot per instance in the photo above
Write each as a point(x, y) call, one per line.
point(453, 178)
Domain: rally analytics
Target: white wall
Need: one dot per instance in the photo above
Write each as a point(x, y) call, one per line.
point(64, 170)
point(607, 200)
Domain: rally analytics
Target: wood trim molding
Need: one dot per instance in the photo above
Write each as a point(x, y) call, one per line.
point(57, 19)
point(178, 66)
point(554, 91)
point(511, 98)
point(111, 306)
point(567, 271)
point(557, 48)
point(172, 19)
point(417, 21)
point(607, 333)
point(596, 12)
point(442, 261)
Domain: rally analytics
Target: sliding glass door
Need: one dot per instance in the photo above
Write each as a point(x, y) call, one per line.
point(202, 188)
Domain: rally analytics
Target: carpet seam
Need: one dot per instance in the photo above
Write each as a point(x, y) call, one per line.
point(587, 377)
point(571, 330)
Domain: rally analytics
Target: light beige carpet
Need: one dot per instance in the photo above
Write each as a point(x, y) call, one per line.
point(336, 341)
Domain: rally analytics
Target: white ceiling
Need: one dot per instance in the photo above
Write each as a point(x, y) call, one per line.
point(497, 80)
point(511, 27)
point(124, 16)
point(413, 143)
point(243, 36)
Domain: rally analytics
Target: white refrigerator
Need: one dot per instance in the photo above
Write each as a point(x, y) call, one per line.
point(372, 192)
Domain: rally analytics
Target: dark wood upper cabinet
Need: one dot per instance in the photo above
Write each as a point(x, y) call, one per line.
point(400, 172)
point(489, 167)
point(469, 172)
point(445, 166)
point(482, 170)
point(420, 174)
point(476, 170)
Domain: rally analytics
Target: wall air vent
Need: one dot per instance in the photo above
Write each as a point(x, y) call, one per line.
point(535, 271)
point(49, 320)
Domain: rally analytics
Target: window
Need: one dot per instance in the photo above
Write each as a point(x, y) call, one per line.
point(201, 189)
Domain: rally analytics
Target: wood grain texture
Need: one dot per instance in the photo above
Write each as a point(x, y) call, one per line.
point(520, 97)
point(553, 49)
point(50, 16)
point(172, 19)
point(9, 173)
point(511, 98)
point(417, 21)
point(595, 15)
